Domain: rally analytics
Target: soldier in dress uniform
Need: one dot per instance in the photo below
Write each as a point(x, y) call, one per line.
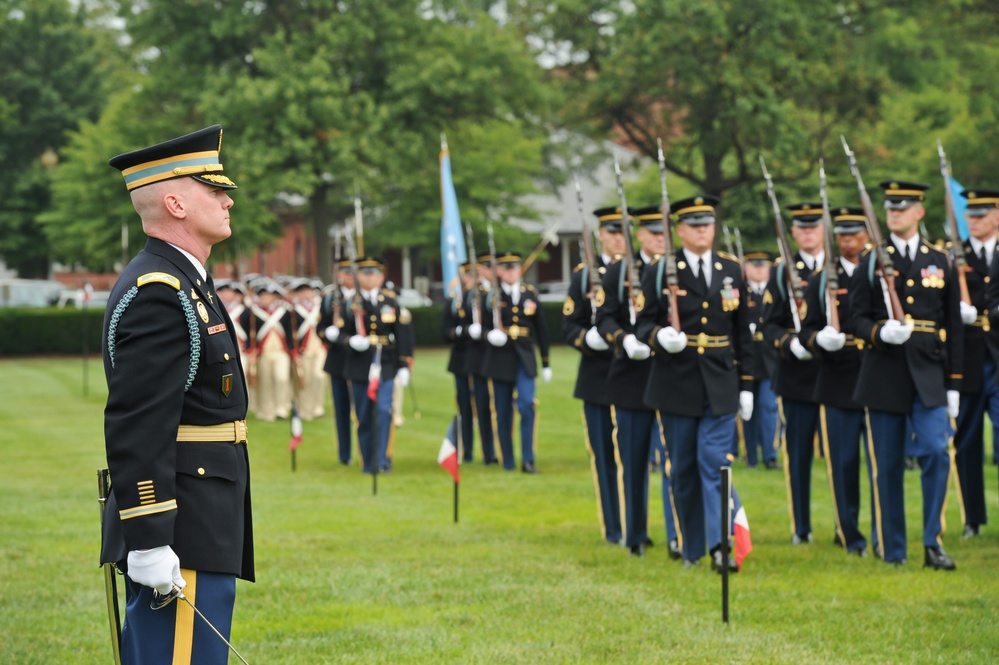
point(633, 421)
point(454, 331)
point(305, 304)
point(579, 332)
point(837, 352)
point(273, 353)
point(379, 350)
point(910, 369)
point(794, 379)
point(760, 431)
point(331, 322)
point(475, 313)
point(701, 375)
point(178, 516)
point(980, 387)
point(510, 361)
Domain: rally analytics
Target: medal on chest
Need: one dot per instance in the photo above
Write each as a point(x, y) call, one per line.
point(729, 295)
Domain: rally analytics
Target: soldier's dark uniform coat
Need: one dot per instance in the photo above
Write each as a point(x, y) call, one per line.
point(332, 313)
point(384, 320)
point(577, 311)
point(764, 355)
point(192, 496)
point(793, 378)
point(977, 340)
point(501, 362)
point(627, 378)
point(455, 316)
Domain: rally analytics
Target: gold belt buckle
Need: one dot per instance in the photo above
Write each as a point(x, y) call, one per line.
point(514, 331)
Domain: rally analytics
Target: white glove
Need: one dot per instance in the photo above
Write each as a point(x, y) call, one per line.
point(595, 341)
point(893, 332)
point(332, 333)
point(752, 328)
point(158, 568)
point(830, 339)
point(496, 337)
point(635, 349)
point(546, 374)
point(953, 403)
point(671, 340)
point(403, 376)
point(968, 313)
point(457, 331)
point(359, 343)
point(475, 330)
point(745, 405)
point(799, 351)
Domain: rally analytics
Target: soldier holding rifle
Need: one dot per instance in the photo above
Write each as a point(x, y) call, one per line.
point(331, 322)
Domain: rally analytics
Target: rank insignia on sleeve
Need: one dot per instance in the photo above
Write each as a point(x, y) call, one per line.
point(202, 311)
point(569, 307)
point(226, 384)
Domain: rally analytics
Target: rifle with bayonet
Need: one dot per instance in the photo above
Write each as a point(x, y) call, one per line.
point(957, 244)
point(884, 262)
point(588, 251)
point(550, 236)
point(832, 276)
point(358, 218)
point(632, 284)
point(728, 238)
point(739, 253)
point(494, 292)
point(791, 278)
point(669, 256)
point(356, 305)
point(476, 293)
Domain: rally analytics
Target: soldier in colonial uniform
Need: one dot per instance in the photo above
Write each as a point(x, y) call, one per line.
point(178, 516)
point(305, 304)
point(331, 322)
point(701, 375)
point(510, 362)
point(273, 353)
point(837, 352)
point(454, 330)
point(794, 379)
point(911, 370)
point(980, 387)
point(579, 332)
point(379, 350)
point(760, 431)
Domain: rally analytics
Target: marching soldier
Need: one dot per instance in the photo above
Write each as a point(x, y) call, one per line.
point(980, 387)
point(701, 375)
point(178, 516)
point(510, 362)
point(760, 431)
point(629, 371)
point(311, 350)
point(595, 358)
point(379, 349)
point(837, 352)
point(476, 355)
point(273, 353)
point(454, 330)
point(331, 323)
point(794, 379)
point(911, 371)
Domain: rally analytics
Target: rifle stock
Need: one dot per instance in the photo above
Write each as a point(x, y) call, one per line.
point(792, 280)
point(669, 256)
point(474, 266)
point(957, 244)
point(832, 277)
point(632, 285)
point(589, 252)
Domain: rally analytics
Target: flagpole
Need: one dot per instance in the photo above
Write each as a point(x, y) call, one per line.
point(726, 494)
point(456, 502)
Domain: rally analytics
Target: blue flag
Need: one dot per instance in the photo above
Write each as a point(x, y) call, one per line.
point(452, 245)
point(960, 204)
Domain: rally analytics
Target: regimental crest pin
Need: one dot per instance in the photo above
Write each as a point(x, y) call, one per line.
point(202, 311)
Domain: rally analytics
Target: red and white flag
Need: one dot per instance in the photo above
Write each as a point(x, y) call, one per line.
point(296, 429)
point(740, 530)
point(448, 455)
point(375, 375)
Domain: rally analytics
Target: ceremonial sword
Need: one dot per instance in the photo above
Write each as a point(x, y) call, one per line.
point(160, 601)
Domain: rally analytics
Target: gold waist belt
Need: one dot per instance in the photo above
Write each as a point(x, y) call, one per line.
point(982, 322)
point(232, 432)
point(703, 341)
point(757, 336)
point(382, 340)
point(516, 331)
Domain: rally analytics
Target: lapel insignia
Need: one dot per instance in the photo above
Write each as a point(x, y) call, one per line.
point(768, 298)
point(202, 311)
point(226, 384)
point(194, 294)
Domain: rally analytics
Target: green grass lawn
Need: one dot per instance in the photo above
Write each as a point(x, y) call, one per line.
point(347, 577)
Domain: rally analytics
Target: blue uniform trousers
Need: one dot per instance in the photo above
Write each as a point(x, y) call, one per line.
point(484, 412)
point(632, 436)
point(761, 430)
point(841, 431)
point(800, 420)
point(600, 446)
point(661, 461)
point(887, 446)
point(698, 448)
point(378, 419)
point(463, 397)
point(175, 634)
point(969, 448)
point(341, 417)
point(503, 398)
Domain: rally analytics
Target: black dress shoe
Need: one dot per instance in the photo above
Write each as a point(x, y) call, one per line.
point(491, 462)
point(860, 553)
point(716, 562)
point(674, 550)
point(910, 463)
point(771, 464)
point(838, 540)
point(798, 540)
point(528, 467)
point(648, 541)
point(637, 550)
point(691, 563)
point(971, 531)
point(937, 559)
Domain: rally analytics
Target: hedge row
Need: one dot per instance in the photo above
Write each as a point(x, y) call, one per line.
point(51, 331)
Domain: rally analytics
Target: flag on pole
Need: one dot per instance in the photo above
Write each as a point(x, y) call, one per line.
point(447, 458)
point(375, 375)
point(740, 529)
point(960, 205)
point(452, 248)
point(296, 428)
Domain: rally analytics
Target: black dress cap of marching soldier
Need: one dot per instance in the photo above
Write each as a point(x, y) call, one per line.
point(697, 210)
point(610, 218)
point(847, 220)
point(759, 257)
point(649, 217)
point(371, 263)
point(484, 260)
point(981, 201)
point(508, 259)
point(805, 214)
point(195, 155)
point(899, 194)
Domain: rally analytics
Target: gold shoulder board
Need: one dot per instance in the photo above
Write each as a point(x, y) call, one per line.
point(162, 277)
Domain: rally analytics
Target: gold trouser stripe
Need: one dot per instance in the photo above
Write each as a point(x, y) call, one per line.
point(183, 630)
point(622, 504)
point(787, 464)
point(232, 432)
point(390, 447)
point(874, 483)
point(354, 421)
point(668, 470)
point(740, 433)
point(824, 428)
point(594, 473)
point(497, 445)
point(952, 453)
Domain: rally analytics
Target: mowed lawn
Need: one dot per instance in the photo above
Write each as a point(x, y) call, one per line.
point(347, 577)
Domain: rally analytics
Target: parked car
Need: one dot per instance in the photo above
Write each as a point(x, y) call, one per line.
point(29, 292)
point(75, 298)
point(412, 298)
